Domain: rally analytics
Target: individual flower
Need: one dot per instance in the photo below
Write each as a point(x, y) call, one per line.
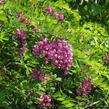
point(61, 17)
point(49, 10)
point(79, 91)
point(19, 14)
point(106, 58)
point(59, 52)
point(56, 15)
point(38, 75)
point(46, 61)
point(45, 101)
point(24, 20)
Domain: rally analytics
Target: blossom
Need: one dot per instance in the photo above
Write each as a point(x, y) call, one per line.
point(61, 17)
point(56, 15)
point(38, 75)
point(49, 10)
point(45, 101)
point(24, 20)
point(59, 52)
point(106, 58)
point(19, 14)
point(21, 37)
point(85, 88)
point(79, 91)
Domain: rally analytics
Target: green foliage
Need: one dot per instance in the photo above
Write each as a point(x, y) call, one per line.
point(85, 28)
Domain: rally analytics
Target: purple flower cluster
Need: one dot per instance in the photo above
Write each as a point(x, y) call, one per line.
point(22, 19)
point(21, 37)
point(58, 16)
point(106, 58)
point(59, 52)
point(86, 87)
point(25, 21)
point(45, 101)
point(38, 75)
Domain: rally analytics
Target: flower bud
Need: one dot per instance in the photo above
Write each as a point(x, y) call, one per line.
point(45, 101)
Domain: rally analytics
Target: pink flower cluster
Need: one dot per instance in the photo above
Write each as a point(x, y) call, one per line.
point(86, 87)
point(56, 15)
point(21, 37)
point(25, 21)
point(38, 75)
point(59, 52)
point(45, 101)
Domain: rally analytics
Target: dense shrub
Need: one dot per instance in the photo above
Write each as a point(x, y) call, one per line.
point(49, 60)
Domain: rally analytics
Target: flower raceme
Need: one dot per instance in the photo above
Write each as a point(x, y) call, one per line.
point(22, 19)
point(45, 101)
point(38, 75)
point(21, 37)
point(86, 87)
point(25, 20)
point(59, 52)
point(58, 16)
